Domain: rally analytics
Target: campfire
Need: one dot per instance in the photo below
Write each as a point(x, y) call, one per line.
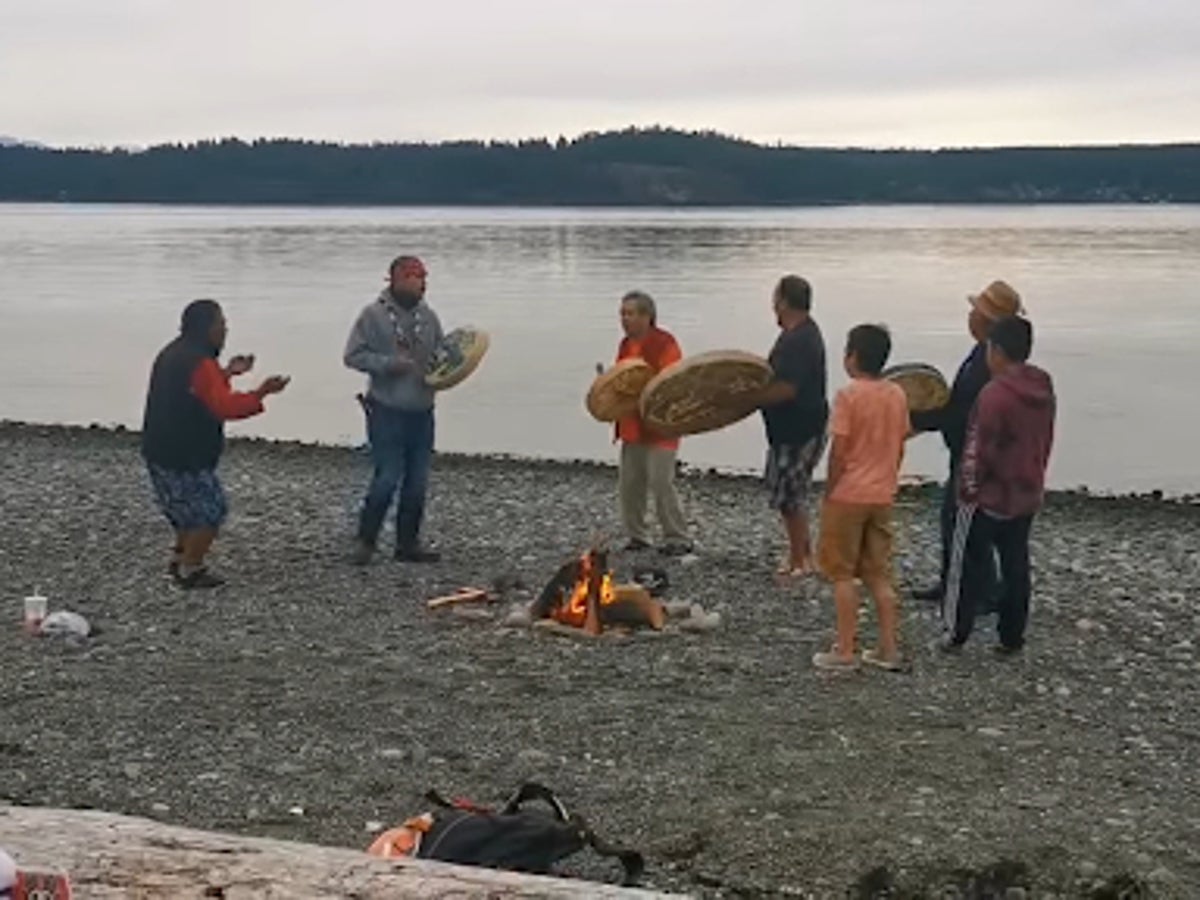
point(583, 598)
point(583, 594)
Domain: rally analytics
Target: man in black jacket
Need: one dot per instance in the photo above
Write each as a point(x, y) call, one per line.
point(183, 433)
point(995, 302)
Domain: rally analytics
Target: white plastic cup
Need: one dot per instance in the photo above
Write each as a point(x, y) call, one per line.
point(35, 612)
point(8, 872)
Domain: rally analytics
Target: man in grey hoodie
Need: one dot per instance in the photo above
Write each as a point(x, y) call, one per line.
point(394, 341)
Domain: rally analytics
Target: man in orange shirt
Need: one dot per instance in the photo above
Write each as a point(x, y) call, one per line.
point(647, 460)
point(868, 428)
point(183, 434)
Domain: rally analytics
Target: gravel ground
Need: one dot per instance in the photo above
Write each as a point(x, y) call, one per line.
point(310, 685)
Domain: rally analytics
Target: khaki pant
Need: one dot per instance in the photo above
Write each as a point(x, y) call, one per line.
point(856, 541)
point(650, 471)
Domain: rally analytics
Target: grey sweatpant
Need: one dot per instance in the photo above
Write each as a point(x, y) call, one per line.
point(648, 471)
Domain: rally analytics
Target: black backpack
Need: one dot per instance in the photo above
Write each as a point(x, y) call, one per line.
point(517, 837)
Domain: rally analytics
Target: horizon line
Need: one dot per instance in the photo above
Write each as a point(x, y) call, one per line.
point(12, 142)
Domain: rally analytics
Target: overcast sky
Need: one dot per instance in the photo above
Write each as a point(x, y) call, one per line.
point(864, 72)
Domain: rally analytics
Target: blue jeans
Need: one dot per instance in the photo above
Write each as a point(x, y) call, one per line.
point(402, 451)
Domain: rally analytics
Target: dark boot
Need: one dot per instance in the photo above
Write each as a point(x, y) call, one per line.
point(363, 551)
point(200, 580)
point(417, 554)
point(929, 595)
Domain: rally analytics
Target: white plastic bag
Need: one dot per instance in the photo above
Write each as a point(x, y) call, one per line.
point(65, 624)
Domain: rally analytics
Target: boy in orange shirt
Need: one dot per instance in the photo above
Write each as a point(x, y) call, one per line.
point(868, 427)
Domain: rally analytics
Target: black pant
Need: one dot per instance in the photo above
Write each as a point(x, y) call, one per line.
point(978, 539)
point(946, 519)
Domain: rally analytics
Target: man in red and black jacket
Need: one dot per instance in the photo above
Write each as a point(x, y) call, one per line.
point(183, 434)
point(1001, 487)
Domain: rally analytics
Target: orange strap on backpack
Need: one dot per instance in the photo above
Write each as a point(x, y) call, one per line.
point(402, 841)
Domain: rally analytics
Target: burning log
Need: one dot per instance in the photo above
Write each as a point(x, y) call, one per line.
point(556, 591)
point(599, 578)
point(633, 606)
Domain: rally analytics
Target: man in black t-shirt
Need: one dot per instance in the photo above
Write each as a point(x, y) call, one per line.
point(795, 411)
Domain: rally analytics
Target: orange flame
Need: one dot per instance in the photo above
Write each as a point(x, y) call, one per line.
point(573, 610)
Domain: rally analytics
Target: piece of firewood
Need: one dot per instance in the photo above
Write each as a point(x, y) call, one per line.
point(598, 562)
point(466, 595)
point(633, 605)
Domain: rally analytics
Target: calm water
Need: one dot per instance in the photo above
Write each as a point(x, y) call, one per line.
point(89, 293)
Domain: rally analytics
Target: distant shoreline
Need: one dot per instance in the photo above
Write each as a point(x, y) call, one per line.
point(630, 168)
point(591, 207)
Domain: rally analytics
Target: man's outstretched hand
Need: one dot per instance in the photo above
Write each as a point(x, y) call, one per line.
point(240, 365)
point(273, 385)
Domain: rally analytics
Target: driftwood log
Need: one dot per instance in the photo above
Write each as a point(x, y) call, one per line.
point(110, 856)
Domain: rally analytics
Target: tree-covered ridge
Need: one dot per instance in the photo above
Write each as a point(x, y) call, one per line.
point(632, 167)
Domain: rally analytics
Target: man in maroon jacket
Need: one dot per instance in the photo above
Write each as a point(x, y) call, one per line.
point(1001, 487)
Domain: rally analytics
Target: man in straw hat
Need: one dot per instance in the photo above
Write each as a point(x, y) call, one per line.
point(994, 303)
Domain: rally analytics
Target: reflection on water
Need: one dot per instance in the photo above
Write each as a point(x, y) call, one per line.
point(89, 293)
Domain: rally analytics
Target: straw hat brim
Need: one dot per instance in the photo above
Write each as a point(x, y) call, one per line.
point(988, 309)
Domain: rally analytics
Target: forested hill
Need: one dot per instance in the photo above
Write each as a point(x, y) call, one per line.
point(632, 167)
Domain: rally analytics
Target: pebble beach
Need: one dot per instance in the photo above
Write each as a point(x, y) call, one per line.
point(312, 700)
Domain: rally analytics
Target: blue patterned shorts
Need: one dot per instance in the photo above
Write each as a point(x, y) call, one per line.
point(789, 473)
point(189, 500)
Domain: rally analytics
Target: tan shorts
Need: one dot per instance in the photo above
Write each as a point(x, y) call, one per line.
point(856, 541)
